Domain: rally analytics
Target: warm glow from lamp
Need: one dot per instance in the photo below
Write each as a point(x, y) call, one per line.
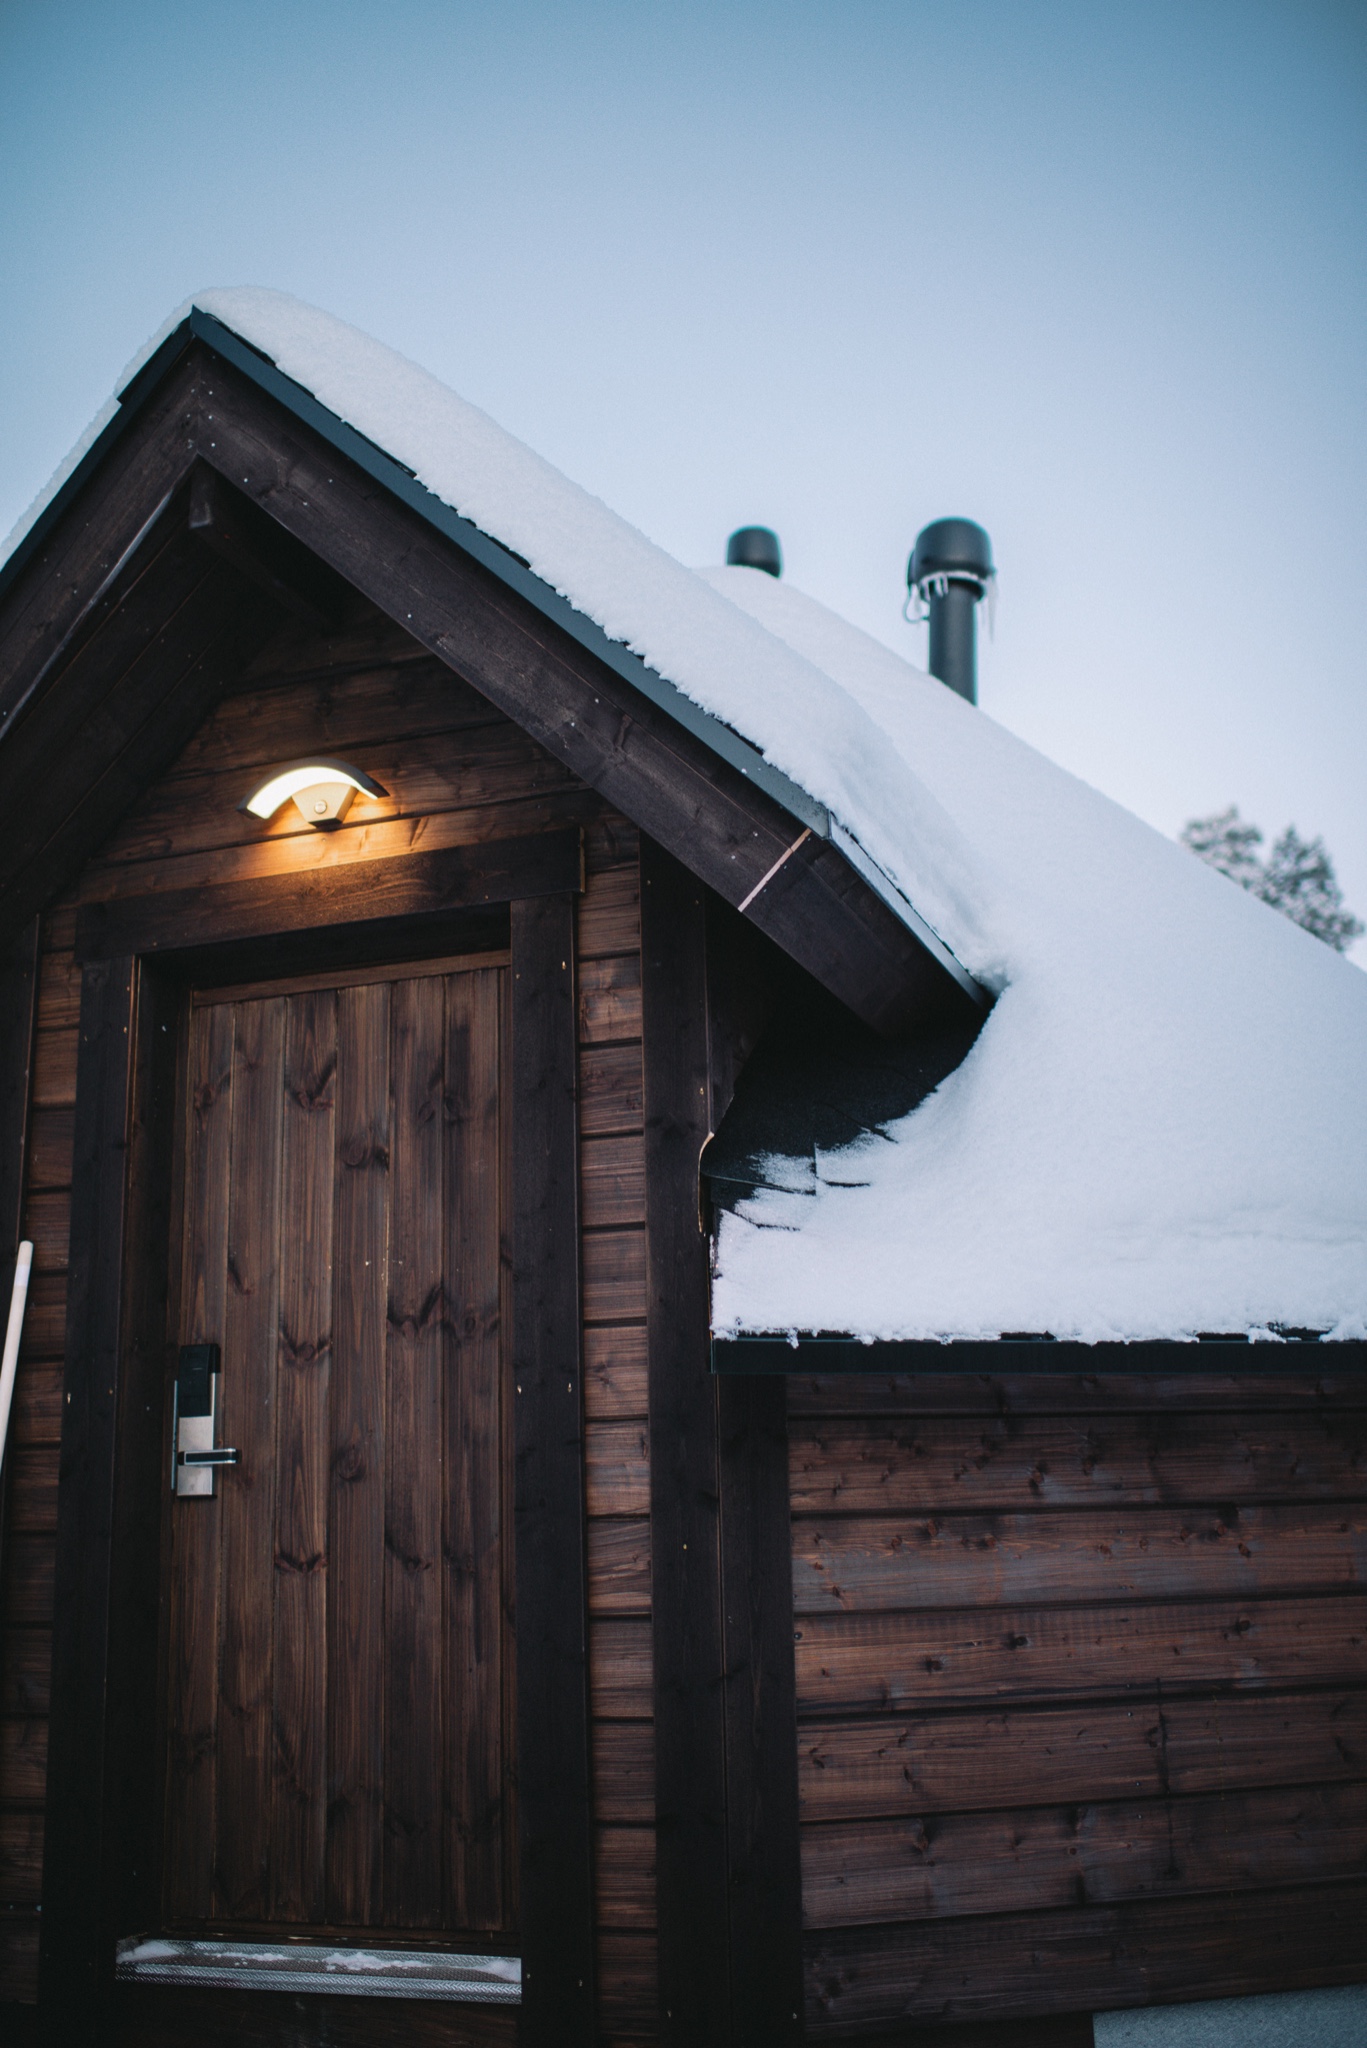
point(322, 790)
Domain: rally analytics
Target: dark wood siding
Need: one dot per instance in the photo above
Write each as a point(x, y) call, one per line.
point(1077, 1661)
point(29, 1548)
point(458, 773)
point(612, 1214)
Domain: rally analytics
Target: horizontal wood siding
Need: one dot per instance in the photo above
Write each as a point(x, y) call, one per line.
point(457, 773)
point(612, 1212)
point(1076, 1662)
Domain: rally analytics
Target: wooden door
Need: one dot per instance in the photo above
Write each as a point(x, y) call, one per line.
point(339, 1630)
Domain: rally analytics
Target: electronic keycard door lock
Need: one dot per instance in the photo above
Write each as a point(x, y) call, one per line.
point(194, 1418)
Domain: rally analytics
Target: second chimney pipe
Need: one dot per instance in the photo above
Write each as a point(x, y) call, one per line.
point(755, 547)
point(950, 568)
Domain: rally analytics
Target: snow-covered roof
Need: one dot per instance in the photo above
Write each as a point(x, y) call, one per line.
point(1162, 1127)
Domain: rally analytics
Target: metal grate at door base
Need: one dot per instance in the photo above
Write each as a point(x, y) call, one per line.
point(301, 1966)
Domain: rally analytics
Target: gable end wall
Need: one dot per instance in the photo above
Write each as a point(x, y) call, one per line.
point(456, 772)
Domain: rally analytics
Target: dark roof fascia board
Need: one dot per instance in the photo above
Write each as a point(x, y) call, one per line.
point(901, 906)
point(500, 562)
point(131, 400)
point(1229, 1356)
point(387, 471)
point(714, 733)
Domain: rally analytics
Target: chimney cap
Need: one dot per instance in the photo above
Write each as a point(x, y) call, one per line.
point(951, 548)
point(755, 547)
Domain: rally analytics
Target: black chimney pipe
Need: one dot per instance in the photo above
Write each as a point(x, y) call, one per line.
point(950, 568)
point(755, 547)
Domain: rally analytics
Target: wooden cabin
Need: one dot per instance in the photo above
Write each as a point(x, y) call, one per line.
point(538, 1667)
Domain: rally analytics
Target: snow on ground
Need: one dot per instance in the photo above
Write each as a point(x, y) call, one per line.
point(1161, 1128)
point(1283, 2019)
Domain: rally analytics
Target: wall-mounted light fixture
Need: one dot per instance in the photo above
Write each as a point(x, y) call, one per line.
point(322, 790)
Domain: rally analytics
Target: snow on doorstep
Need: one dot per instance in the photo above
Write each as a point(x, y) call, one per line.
point(1162, 1128)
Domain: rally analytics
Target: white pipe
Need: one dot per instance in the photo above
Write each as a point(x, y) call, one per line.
point(23, 1266)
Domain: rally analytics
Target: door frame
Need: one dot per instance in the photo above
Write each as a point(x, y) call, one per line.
point(102, 1856)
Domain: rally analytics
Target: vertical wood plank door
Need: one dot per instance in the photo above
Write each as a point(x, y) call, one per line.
point(339, 1727)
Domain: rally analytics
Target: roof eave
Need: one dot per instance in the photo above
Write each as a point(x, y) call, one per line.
point(386, 470)
point(1232, 1356)
point(492, 556)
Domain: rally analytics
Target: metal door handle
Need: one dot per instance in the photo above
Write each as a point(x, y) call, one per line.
point(195, 1456)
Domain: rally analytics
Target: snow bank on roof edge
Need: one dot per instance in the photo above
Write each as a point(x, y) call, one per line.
point(1161, 1128)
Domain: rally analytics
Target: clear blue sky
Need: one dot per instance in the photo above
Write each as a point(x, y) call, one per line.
point(1095, 275)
